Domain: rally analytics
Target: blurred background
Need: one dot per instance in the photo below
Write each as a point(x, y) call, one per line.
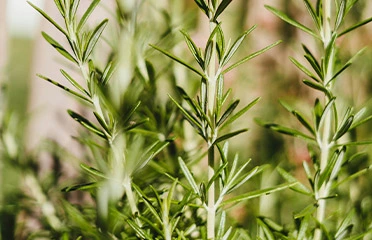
point(33, 110)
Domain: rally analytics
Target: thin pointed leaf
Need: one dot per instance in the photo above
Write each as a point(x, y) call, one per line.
point(108, 72)
point(188, 176)
point(299, 187)
point(86, 123)
point(47, 17)
point(243, 179)
point(94, 39)
point(304, 69)
point(345, 226)
point(59, 47)
point(307, 211)
point(223, 5)
point(102, 122)
point(179, 61)
point(80, 187)
point(133, 125)
point(269, 235)
point(141, 233)
point(258, 193)
point(340, 14)
point(348, 63)
point(191, 119)
point(326, 111)
point(93, 171)
point(249, 57)
point(60, 7)
point(313, 62)
point(228, 112)
point(235, 46)
point(229, 135)
point(304, 122)
point(303, 228)
point(312, 13)
point(355, 26)
point(193, 49)
point(150, 153)
point(285, 130)
point(66, 89)
point(345, 126)
point(329, 53)
point(203, 6)
point(291, 21)
point(216, 175)
point(73, 9)
point(190, 101)
point(240, 113)
point(73, 82)
point(220, 40)
point(86, 14)
point(221, 226)
point(353, 176)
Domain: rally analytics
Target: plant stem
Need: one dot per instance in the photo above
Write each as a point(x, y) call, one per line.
point(211, 98)
point(127, 184)
point(211, 195)
point(325, 142)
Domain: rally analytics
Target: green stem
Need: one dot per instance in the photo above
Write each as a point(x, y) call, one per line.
point(211, 196)
point(127, 184)
point(327, 129)
point(212, 132)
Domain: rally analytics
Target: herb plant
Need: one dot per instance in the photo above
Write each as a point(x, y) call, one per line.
point(331, 122)
point(157, 160)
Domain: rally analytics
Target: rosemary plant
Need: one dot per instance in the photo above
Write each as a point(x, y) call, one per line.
point(210, 118)
point(331, 122)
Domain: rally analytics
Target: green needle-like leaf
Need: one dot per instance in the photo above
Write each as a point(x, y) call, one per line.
point(94, 39)
point(229, 135)
point(355, 26)
point(291, 21)
point(228, 112)
point(73, 9)
point(66, 89)
point(86, 14)
point(74, 83)
point(92, 171)
point(203, 6)
point(223, 5)
point(239, 113)
point(194, 49)
point(313, 14)
point(285, 130)
point(190, 118)
point(236, 46)
point(249, 57)
point(258, 193)
point(59, 47)
point(299, 187)
point(47, 17)
point(304, 69)
point(188, 176)
point(340, 14)
point(86, 123)
point(81, 187)
point(179, 61)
